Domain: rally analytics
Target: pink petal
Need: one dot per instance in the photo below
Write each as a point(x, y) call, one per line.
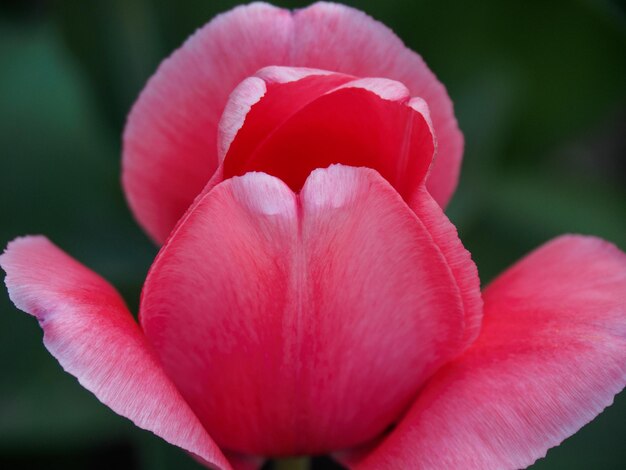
point(170, 138)
point(459, 260)
point(301, 323)
point(551, 356)
point(313, 120)
point(89, 330)
point(170, 147)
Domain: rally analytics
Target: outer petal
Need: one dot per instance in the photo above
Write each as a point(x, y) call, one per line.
point(458, 258)
point(170, 139)
point(551, 356)
point(89, 330)
point(301, 324)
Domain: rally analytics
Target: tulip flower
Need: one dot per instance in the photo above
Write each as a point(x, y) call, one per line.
point(311, 297)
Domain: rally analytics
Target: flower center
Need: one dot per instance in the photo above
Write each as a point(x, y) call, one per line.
point(325, 118)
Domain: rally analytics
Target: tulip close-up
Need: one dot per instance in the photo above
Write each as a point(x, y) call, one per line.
point(310, 296)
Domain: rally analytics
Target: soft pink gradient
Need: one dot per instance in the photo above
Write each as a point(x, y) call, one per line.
point(315, 298)
point(315, 314)
point(267, 368)
point(171, 138)
point(88, 328)
point(550, 357)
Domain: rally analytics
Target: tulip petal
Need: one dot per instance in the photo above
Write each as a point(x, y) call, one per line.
point(550, 357)
point(301, 324)
point(299, 122)
point(89, 330)
point(170, 147)
point(459, 260)
point(290, 90)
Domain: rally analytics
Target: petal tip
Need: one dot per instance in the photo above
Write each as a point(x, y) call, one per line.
point(263, 194)
point(334, 186)
point(14, 261)
point(287, 74)
point(384, 88)
point(420, 105)
point(244, 96)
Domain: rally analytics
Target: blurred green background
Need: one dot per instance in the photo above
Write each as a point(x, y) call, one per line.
point(539, 89)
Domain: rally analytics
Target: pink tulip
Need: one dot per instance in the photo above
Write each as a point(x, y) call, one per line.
point(314, 298)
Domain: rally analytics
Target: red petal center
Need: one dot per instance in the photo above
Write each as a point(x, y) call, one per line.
point(315, 122)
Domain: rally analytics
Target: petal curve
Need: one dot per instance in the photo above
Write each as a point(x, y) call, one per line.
point(291, 89)
point(313, 119)
point(550, 357)
point(311, 319)
point(88, 329)
point(170, 146)
point(459, 260)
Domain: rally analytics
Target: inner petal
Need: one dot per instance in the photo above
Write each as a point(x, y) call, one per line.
point(319, 120)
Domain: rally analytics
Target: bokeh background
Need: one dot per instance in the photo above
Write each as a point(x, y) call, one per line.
point(539, 90)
